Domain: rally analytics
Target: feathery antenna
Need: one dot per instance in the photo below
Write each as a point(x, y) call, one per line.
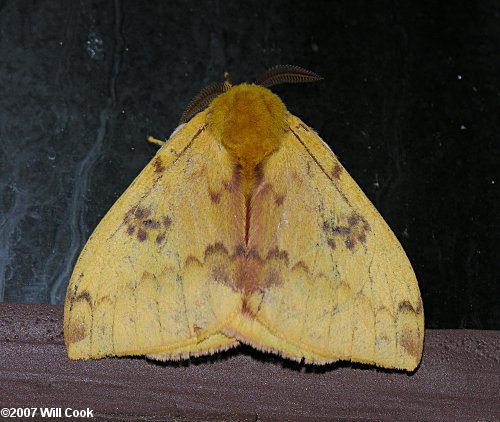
point(204, 97)
point(276, 75)
point(287, 74)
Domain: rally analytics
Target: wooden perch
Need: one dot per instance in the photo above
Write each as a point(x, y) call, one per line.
point(458, 380)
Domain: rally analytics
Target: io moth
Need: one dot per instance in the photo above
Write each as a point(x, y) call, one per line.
point(245, 228)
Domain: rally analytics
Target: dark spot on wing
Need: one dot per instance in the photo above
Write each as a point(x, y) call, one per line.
point(336, 171)
point(142, 222)
point(301, 265)
point(104, 299)
point(239, 251)
point(216, 248)
point(341, 231)
point(279, 199)
point(353, 220)
point(158, 165)
point(352, 232)
point(254, 255)
point(167, 222)
point(349, 243)
point(150, 224)
point(191, 259)
point(406, 306)
point(276, 253)
point(410, 343)
point(141, 213)
point(84, 296)
point(214, 196)
point(136, 213)
point(77, 331)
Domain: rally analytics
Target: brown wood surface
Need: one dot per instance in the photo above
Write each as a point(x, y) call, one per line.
point(458, 380)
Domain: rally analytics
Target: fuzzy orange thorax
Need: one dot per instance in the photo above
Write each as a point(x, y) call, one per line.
point(249, 120)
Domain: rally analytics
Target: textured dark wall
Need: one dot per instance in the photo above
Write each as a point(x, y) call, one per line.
point(410, 104)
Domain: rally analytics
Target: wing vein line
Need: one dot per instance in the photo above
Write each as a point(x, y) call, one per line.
point(320, 166)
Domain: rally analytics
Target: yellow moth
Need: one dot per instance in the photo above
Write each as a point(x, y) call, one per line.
point(245, 228)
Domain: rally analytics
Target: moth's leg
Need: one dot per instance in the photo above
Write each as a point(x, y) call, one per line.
point(155, 141)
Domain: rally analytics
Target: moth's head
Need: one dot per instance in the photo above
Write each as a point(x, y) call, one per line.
point(274, 76)
point(248, 119)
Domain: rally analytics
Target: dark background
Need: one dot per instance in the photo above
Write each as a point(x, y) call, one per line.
point(410, 104)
